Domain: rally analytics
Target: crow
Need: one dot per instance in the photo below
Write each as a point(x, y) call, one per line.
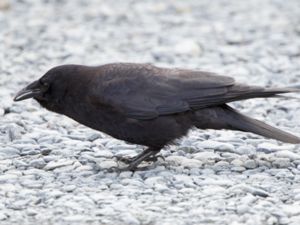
point(148, 105)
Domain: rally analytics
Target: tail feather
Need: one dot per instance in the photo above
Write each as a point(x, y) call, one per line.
point(240, 92)
point(221, 116)
point(278, 91)
point(238, 121)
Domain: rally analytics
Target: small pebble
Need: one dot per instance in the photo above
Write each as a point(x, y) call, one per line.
point(54, 170)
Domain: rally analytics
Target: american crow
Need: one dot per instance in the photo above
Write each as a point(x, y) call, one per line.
point(149, 105)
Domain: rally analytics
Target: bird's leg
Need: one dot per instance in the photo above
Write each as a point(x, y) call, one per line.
point(128, 160)
point(125, 159)
point(146, 155)
point(154, 158)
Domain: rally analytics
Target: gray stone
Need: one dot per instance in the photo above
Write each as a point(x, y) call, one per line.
point(4, 178)
point(187, 47)
point(244, 150)
point(281, 162)
point(217, 146)
point(269, 147)
point(237, 162)
point(206, 156)
point(250, 164)
point(292, 209)
point(106, 164)
point(93, 137)
point(54, 170)
point(287, 154)
point(57, 164)
point(32, 212)
point(9, 152)
point(69, 188)
point(37, 163)
point(3, 216)
point(183, 161)
point(129, 219)
point(76, 219)
point(253, 190)
point(238, 168)
point(103, 153)
point(221, 165)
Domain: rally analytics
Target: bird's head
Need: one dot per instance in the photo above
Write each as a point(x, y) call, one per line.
point(51, 89)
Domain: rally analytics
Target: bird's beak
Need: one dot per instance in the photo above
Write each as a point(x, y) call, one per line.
point(32, 90)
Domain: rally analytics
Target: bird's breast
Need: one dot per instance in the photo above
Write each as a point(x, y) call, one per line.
point(154, 132)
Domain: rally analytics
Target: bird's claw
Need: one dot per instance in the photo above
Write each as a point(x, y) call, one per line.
point(126, 160)
point(134, 169)
point(147, 155)
point(154, 158)
point(129, 160)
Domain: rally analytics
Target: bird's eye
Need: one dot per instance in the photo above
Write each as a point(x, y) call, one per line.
point(44, 83)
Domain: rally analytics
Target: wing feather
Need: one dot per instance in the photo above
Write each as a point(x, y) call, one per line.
point(143, 91)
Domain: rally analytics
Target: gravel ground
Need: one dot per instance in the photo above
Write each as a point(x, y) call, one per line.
point(55, 171)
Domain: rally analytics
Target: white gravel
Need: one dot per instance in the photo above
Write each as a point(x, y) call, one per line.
point(55, 171)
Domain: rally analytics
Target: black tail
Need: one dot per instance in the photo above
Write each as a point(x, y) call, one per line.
point(277, 91)
point(238, 121)
point(257, 92)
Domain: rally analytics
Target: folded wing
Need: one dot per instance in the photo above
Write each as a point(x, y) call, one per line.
point(151, 92)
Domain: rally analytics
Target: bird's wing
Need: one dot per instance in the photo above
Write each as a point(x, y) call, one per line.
point(137, 99)
point(146, 93)
point(197, 88)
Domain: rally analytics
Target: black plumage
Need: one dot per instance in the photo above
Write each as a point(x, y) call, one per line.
point(148, 105)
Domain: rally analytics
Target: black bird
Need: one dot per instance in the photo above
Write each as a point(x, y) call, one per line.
point(148, 105)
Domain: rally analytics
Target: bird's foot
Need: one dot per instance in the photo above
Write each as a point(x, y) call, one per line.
point(135, 169)
point(126, 160)
point(154, 158)
point(148, 155)
point(132, 166)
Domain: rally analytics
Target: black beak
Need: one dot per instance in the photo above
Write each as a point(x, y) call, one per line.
point(32, 90)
